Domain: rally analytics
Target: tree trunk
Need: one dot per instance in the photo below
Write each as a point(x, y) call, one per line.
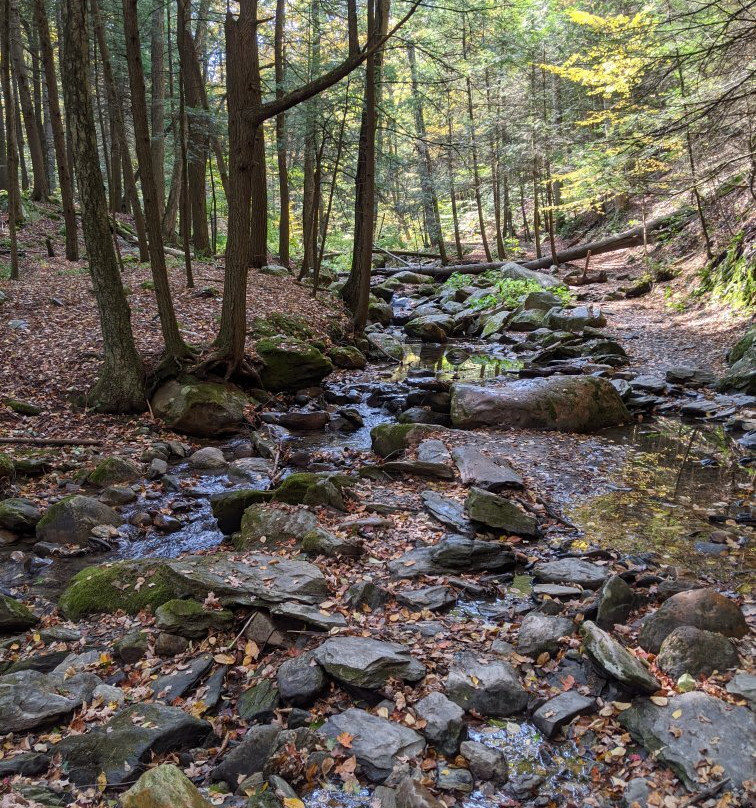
point(157, 107)
point(59, 138)
point(14, 192)
point(284, 221)
point(120, 387)
point(3, 144)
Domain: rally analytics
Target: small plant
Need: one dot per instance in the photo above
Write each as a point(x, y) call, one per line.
point(457, 280)
point(510, 292)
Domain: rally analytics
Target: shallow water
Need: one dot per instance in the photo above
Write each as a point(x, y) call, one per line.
point(456, 360)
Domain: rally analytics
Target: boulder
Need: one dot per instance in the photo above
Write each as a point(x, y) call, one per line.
point(300, 680)
point(271, 525)
point(259, 702)
point(482, 472)
point(540, 632)
point(444, 723)
point(571, 571)
point(165, 786)
point(203, 409)
point(491, 689)
point(563, 403)
point(743, 686)
point(30, 699)
point(487, 763)
point(19, 515)
point(702, 608)
point(367, 663)
point(347, 357)
point(432, 598)
point(410, 794)
point(615, 660)
point(7, 467)
point(71, 520)
point(376, 743)
point(500, 514)
point(529, 320)
point(615, 602)
point(454, 554)
point(307, 488)
point(560, 710)
point(190, 618)
point(229, 506)
point(114, 470)
point(379, 312)
point(291, 364)
point(391, 439)
point(692, 728)
point(208, 458)
point(14, 616)
point(575, 319)
point(433, 460)
point(690, 650)
point(430, 327)
point(249, 757)
point(321, 542)
point(384, 345)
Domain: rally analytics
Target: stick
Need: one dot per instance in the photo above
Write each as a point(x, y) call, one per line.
point(52, 441)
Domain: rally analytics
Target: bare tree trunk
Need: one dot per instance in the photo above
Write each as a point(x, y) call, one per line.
point(284, 220)
point(157, 107)
point(120, 386)
point(3, 141)
point(14, 192)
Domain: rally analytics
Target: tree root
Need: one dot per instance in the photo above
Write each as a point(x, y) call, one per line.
point(220, 364)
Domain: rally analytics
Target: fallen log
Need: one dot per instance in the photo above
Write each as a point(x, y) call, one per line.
point(51, 441)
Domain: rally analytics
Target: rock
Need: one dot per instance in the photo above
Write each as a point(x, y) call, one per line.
point(7, 468)
point(310, 615)
point(132, 647)
point(433, 598)
point(71, 520)
point(571, 571)
point(430, 328)
point(564, 403)
point(575, 319)
point(391, 439)
point(433, 460)
point(495, 323)
point(615, 602)
point(347, 357)
point(14, 616)
point(27, 764)
point(30, 699)
point(229, 506)
point(520, 273)
point(376, 742)
point(711, 730)
point(530, 320)
point(258, 702)
point(501, 514)
point(189, 618)
point(366, 594)
point(114, 470)
point(379, 312)
point(118, 495)
point(702, 608)
point(19, 515)
point(306, 488)
point(304, 420)
point(209, 458)
point(540, 632)
point(561, 710)
point(489, 689)
point(615, 660)
point(170, 645)
point(447, 511)
point(454, 778)
point(384, 345)
point(203, 409)
point(445, 727)
point(454, 554)
point(690, 377)
point(165, 786)
point(480, 471)
point(487, 763)
point(182, 681)
point(291, 364)
point(321, 542)
point(300, 680)
point(368, 663)
point(411, 794)
point(249, 757)
point(743, 685)
point(690, 650)
point(271, 525)
point(274, 269)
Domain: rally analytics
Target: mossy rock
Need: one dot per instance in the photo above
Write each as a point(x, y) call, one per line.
point(204, 409)
point(380, 312)
point(276, 270)
point(7, 468)
point(291, 364)
point(165, 786)
point(14, 616)
point(347, 357)
point(190, 618)
point(272, 524)
point(71, 520)
point(307, 488)
point(391, 439)
point(114, 470)
point(18, 515)
point(743, 346)
point(229, 506)
point(126, 585)
point(22, 407)
point(278, 323)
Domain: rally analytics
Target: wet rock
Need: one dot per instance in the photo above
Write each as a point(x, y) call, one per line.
point(433, 598)
point(743, 685)
point(114, 470)
point(368, 663)
point(347, 357)
point(453, 778)
point(307, 488)
point(445, 726)
point(423, 415)
point(311, 616)
point(615, 602)
point(575, 319)
point(209, 458)
point(487, 763)
point(480, 471)
point(571, 571)
point(376, 742)
point(117, 495)
point(615, 660)
point(229, 506)
point(14, 616)
point(71, 520)
point(690, 376)
point(300, 680)
point(270, 525)
point(391, 439)
point(409, 794)
point(27, 764)
point(501, 514)
point(433, 460)
point(203, 409)
point(190, 618)
point(564, 403)
point(690, 650)
point(165, 786)
point(379, 312)
point(702, 608)
point(291, 364)
point(258, 702)
point(540, 632)
point(560, 710)
point(430, 328)
point(249, 757)
point(304, 420)
point(489, 689)
point(710, 729)
point(383, 345)
point(454, 554)
point(19, 515)
point(183, 681)
point(255, 469)
point(530, 320)
point(30, 699)
point(447, 511)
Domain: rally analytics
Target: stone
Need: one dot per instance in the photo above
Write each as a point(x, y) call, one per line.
point(615, 660)
point(132, 647)
point(310, 615)
point(368, 663)
point(690, 376)
point(454, 778)
point(71, 520)
point(563, 403)
point(743, 686)
point(711, 730)
point(22, 407)
point(571, 571)
point(347, 357)
point(30, 699)
point(28, 764)
point(321, 542)
point(454, 554)
point(482, 472)
point(116, 495)
point(445, 726)
point(190, 618)
point(702, 608)
point(560, 710)
point(433, 460)
point(249, 757)
point(14, 616)
point(430, 327)
point(208, 458)
point(447, 511)
point(529, 320)
point(258, 702)
point(575, 319)
point(501, 514)
point(491, 689)
point(409, 794)
point(615, 602)
point(366, 594)
point(495, 323)
point(114, 470)
point(229, 506)
point(291, 364)
point(300, 680)
point(202, 409)
point(379, 312)
point(7, 467)
point(182, 681)
point(165, 786)
point(19, 515)
point(433, 598)
point(699, 653)
point(541, 633)
point(307, 488)
point(170, 645)
point(272, 525)
point(391, 439)
point(488, 764)
point(384, 345)
point(376, 742)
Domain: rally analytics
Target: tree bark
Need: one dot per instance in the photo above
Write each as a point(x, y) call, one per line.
point(157, 106)
point(120, 386)
point(284, 219)
point(14, 192)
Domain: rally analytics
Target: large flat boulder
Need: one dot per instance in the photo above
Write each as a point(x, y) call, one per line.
point(203, 409)
point(563, 403)
point(368, 663)
point(291, 364)
point(71, 520)
point(489, 688)
point(454, 554)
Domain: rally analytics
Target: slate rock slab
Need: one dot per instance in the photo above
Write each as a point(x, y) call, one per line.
point(368, 663)
point(561, 710)
point(178, 684)
point(571, 571)
point(433, 598)
point(454, 554)
point(615, 660)
point(541, 632)
point(445, 726)
point(249, 757)
point(447, 511)
point(482, 472)
point(30, 699)
point(300, 680)
point(490, 689)
point(498, 513)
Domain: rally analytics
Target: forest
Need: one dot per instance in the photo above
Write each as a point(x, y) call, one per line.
point(377, 403)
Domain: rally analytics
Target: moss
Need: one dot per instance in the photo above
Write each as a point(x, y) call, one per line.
point(291, 364)
point(742, 346)
point(390, 439)
point(306, 488)
point(228, 507)
point(347, 357)
point(113, 470)
point(6, 466)
point(126, 585)
point(284, 324)
point(22, 407)
point(14, 615)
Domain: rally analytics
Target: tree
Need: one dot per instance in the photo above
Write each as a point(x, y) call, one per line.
point(14, 193)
